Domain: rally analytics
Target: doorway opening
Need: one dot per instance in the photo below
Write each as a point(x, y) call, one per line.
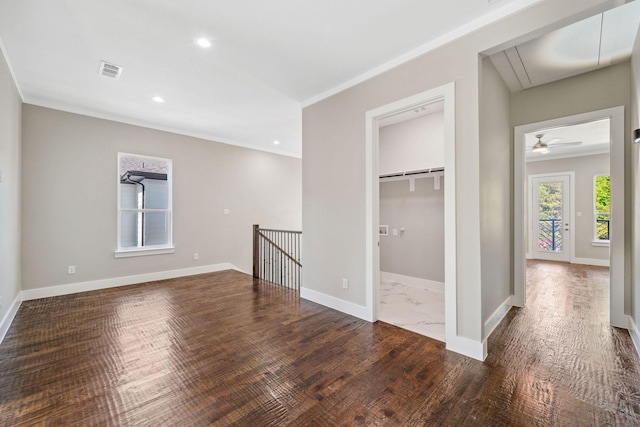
point(587, 231)
point(412, 187)
point(446, 94)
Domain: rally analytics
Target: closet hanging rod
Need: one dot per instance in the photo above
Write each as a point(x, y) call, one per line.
point(409, 173)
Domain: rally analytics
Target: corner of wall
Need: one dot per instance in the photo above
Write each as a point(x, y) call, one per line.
point(359, 311)
point(496, 317)
point(635, 334)
point(468, 347)
point(5, 324)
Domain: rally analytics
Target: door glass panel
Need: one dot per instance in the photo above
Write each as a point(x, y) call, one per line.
point(550, 217)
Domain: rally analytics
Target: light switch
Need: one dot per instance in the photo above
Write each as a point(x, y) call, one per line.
point(227, 211)
point(578, 213)
point(395, 231)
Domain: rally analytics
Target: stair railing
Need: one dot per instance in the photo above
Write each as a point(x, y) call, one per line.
point(276, 256)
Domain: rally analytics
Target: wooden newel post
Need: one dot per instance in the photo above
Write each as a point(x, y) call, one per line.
point(256, 252)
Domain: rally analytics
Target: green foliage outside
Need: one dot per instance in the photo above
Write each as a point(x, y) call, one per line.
point(550, 200)
point(603, 206)
point(603, 194)
point(550, 208)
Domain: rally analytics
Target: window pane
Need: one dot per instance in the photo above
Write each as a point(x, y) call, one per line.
point(130, 231)
point(602, 225)
point(156, 227)
point(156, 194)
point(550, 217)
point(140, 229)
point(128, 196)
point(602, 208)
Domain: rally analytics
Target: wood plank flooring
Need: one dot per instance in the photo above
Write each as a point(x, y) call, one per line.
point(221, 349)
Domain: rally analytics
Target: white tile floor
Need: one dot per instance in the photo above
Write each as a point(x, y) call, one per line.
point(414, 308)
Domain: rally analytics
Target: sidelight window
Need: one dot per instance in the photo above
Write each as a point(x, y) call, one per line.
point(602, 208)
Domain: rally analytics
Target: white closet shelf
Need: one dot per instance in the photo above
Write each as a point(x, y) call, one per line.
point(411, 176)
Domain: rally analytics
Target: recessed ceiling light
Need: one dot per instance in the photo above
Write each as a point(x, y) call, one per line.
point(276, 142)
point(203, 42)
point(158, 99)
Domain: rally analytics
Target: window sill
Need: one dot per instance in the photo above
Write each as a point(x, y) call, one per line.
point(603, 243)
point(126, 253)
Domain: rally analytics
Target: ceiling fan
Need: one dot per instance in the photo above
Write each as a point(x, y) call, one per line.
point(543, 147)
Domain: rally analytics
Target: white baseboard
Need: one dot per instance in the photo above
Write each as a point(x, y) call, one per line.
point(413, 281)
point(338, 304)
point(591, 261)
point(467, 347)
point(72, 288)
point(497, 316)
point(635, 334)
point(11, 314)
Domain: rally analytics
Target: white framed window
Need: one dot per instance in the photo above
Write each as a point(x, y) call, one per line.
point(145, 217)
point(601, 209)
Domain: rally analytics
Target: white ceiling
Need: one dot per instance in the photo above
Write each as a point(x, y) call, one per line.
point(594, 138)
point(596, 42)
point(267, 60)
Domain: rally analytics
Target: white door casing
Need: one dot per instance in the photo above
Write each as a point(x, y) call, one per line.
point(446, 92)
point(618, 281)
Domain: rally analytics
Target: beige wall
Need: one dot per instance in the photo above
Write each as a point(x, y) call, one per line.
point(10, 151)
point(419, 250)
point(496, 194)
point(597, 90)
point(69, 198)
point(634, 157)
point(585, 168)
point(334, 210)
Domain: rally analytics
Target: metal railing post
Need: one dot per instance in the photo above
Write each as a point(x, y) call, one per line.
point(256, 252)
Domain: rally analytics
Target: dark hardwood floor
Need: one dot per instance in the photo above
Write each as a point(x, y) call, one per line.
point(220, 349)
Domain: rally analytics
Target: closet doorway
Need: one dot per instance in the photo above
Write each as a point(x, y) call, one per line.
point(446, 93)
point(411, 203)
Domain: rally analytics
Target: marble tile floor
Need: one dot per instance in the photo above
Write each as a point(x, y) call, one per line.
point(412, 307)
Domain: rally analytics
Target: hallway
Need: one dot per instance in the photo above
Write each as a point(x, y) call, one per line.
point(561, 352)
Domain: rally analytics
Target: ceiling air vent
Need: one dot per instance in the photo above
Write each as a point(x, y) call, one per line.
point(110, 70)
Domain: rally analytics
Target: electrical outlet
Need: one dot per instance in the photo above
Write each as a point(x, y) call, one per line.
point(196, 256)
point(71, 269)
point(227, 211)
point(345, 283)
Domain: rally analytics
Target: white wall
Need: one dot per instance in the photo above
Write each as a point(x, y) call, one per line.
point(69, 198)
point(634, 157)
point(411, 145)
point(334, 208)
point(496, 193)
point(585, 168)
point(419, 250)
point(10, 177)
